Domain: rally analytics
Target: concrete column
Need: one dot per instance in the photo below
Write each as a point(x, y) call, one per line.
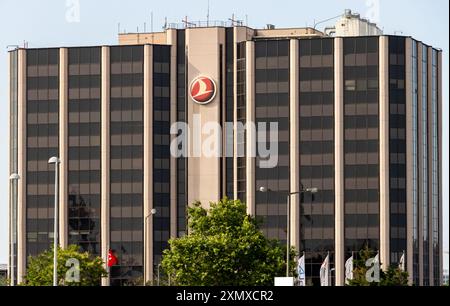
point(384, 150)
point(430, 163)
point(419, 159)
point(440, 158)
point(250, 133)
point(339, 160)
point(22, 163)
point(105, 157)
point(294, 143)
point(148, 162)
point(63, 145)
point(172, 40)
point(409, 161)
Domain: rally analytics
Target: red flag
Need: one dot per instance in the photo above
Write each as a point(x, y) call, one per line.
point(112, 259)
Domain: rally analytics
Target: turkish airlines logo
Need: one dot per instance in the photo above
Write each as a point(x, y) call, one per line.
point(202, 90)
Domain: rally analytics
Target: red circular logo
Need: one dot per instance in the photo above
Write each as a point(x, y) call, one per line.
point(202, 90)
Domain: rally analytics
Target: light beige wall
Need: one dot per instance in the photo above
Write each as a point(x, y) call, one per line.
point(148, 162)
point(105, 158)
point(339, 160)
point(293, 32)
point(384, 150)
point(63, 145)
point(294, 143)
point(409, 162)
point(10, 171)
point(159, 38)
point(203, 59)
point(22, 164)
point(250, 133)
point(172, 40)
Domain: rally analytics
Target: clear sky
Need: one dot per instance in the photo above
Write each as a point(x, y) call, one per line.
point(57, 23)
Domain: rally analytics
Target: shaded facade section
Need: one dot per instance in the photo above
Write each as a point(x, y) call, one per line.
point(272, 106)
point(397, 148)
point(316, 148)
point(361, 144)
point(126, 136)
point(84, 149)
point(42, 107)
point(161, 151)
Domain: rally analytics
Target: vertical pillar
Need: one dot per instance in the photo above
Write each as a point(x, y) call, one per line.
point(419, 158)
point(250, 132)
point(339, 160)
point(294, 143)
point(22, 164)
point(105, 157)
point(409, 162)
point(148, 162)
point(63, 145)
point(172, 40)
point(384, 150)
point(440, 159)
point(430, 163)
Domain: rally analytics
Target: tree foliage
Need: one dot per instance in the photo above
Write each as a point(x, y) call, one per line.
point(393, 276)
point(40, 268)
point(224, 246)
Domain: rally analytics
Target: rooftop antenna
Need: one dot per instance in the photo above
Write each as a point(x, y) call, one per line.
point(165, 23)
point(151, 21)
point(207, 16)
point(145, 27)
point(246, 20)
point(187, 23)
point(232, 20)
point(118, 27)
point(151, 26)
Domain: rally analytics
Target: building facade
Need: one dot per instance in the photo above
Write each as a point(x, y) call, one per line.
point(358, 117)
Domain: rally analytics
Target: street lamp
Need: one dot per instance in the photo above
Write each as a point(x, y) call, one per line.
point(288, 240)
point(55, 160)
point(12, 214)
point(152, 213)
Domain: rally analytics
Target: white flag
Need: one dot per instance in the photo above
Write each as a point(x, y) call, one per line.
point(349, 270)
point(401, 264)
point(376, 259)
point(324, 272)
point(301, 271)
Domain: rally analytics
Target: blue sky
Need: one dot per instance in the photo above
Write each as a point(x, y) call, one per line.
point(46, 23)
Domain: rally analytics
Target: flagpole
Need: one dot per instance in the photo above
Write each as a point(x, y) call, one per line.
point(328, 268)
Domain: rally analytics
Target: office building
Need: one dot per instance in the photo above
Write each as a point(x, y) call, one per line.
point(359, 117)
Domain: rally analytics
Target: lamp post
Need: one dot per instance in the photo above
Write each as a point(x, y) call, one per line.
point(152, 212)
point(288, 240)
point(55, 160)
point(12, 214)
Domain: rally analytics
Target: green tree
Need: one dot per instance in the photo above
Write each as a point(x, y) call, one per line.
point(40, 268)
point(3, 281)
point(224, 246)
point(392, 277)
